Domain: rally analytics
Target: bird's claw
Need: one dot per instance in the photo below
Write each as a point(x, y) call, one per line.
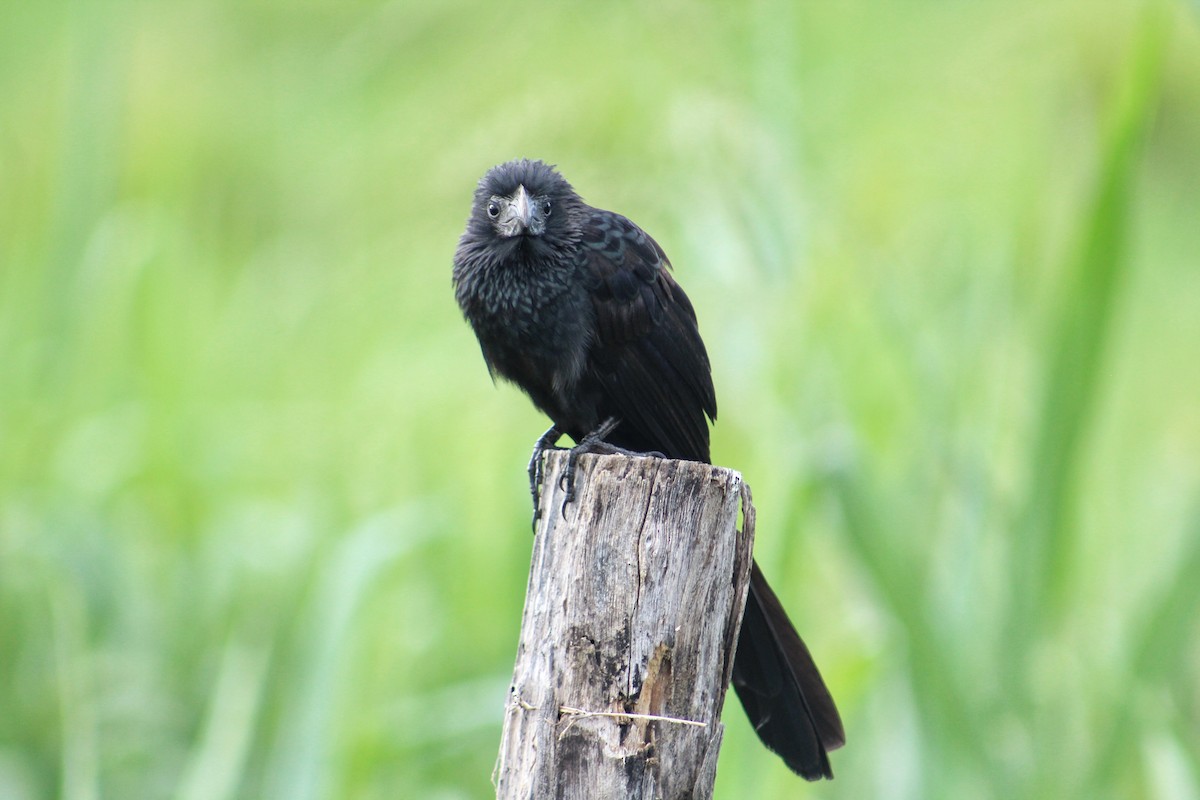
point(537, 469)
point(592, 443)
point(566, 481)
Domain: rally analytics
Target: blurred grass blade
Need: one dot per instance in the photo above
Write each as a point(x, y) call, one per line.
point(300, 762)
point(80, 748)
point(1073, 377)
point(1168, 637)
point(1160, 653)
point(900, 580)
point(215, 770)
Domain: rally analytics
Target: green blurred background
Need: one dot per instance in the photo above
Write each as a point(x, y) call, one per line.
point(264, 525)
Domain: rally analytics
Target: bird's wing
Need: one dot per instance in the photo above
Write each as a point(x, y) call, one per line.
point(646, 354)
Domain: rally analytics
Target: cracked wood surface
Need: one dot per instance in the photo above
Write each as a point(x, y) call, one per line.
point(635, 594)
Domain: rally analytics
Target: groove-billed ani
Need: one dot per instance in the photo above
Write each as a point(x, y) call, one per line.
point(575, 305)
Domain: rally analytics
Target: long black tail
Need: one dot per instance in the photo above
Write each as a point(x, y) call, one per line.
point(780, 687)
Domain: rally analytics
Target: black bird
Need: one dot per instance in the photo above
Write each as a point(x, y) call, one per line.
point(576, 306)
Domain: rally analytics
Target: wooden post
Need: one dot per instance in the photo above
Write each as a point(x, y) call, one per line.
point(636, 591)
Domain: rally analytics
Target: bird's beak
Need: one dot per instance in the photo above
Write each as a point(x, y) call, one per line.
point(522, 209)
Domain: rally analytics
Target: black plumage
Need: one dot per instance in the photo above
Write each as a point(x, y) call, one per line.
point(577, 306)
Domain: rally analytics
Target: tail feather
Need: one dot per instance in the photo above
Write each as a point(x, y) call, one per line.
point(780, 687)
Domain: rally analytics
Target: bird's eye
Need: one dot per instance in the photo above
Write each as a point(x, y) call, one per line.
point(493, 210)
point(546, 208)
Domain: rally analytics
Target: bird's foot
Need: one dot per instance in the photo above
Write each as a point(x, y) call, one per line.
point(594, 444)
point(537, 469)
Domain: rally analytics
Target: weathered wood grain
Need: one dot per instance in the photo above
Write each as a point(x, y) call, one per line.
point(635, 595)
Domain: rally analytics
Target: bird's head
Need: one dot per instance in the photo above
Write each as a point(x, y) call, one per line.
point(525, 201)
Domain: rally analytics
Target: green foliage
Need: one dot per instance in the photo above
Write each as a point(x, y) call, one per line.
point(263, 519)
